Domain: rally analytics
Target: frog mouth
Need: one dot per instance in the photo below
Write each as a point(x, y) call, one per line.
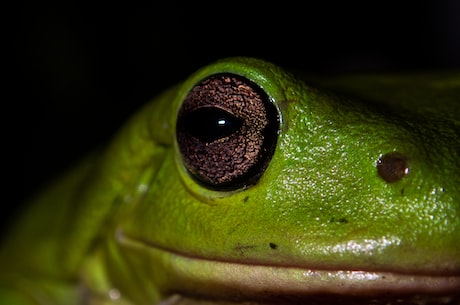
point(198, 280)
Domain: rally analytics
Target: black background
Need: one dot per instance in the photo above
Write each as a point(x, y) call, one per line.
point(83, 68)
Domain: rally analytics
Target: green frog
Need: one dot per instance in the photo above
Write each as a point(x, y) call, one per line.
point(250, 184)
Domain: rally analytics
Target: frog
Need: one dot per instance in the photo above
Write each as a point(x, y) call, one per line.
point(249, 183)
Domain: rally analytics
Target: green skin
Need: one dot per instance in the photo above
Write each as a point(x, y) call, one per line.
point(131, 226)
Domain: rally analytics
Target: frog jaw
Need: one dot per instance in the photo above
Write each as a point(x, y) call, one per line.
point(191, 280)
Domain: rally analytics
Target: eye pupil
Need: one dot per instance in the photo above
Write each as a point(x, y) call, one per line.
point(209, 124)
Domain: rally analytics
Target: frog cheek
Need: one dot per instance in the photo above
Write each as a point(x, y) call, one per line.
point(226, 131)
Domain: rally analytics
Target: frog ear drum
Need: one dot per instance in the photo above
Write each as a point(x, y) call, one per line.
point(227, 129)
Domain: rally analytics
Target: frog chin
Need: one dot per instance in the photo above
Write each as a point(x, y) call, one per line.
point(191, 278)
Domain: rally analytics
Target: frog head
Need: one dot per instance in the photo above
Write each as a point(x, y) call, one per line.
point(269, 188)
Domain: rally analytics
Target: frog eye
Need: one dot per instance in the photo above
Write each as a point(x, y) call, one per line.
point(226, 131)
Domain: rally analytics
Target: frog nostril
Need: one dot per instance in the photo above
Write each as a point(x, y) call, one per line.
point(392, 166)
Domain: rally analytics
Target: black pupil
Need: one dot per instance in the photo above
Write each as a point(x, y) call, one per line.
point(210, 123)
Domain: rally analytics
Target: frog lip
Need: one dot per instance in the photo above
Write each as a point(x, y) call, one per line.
point(213, 278)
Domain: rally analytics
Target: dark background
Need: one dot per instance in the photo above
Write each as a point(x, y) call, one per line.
point(82, 69)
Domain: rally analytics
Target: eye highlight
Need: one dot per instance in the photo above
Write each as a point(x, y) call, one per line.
point(226, 131)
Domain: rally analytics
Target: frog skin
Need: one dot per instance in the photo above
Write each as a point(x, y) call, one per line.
point(248, 184)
